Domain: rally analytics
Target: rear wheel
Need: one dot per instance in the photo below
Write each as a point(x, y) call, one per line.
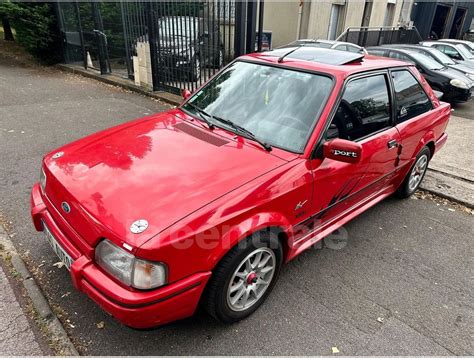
point(244, 278)
point(415, 175)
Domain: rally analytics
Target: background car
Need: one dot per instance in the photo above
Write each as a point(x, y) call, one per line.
point(468, 44)
point(335, 45)
point(455, 86)
point(186, 45)
point(457, 52)
point(437, 55)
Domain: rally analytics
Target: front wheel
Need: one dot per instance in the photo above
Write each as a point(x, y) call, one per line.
point(244, 278)
point(415, 175)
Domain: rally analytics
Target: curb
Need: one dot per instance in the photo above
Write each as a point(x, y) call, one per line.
point(449, 187)
point(39, 301)
point(121, 82)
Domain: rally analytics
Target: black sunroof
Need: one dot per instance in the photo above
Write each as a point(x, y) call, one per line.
point(322, 55)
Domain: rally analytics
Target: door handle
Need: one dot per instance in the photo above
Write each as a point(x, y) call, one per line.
point(392, 144)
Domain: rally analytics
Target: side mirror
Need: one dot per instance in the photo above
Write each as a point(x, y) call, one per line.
point(342, 150)
point(186, 94)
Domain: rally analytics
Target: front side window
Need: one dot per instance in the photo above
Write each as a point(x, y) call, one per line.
point(449, 51)
point(411, 100)
point(364, 109)
point(279, 106)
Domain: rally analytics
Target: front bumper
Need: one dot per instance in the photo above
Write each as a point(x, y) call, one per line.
point(134, 308)
point(457, 94)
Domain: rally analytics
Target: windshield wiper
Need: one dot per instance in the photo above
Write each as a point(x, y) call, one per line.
point(201, 112)
point(244, 131)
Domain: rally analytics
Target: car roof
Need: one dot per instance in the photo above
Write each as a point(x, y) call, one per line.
point(402, 50)
point(442, 43)
point(412, 46)
point(325, 60)
point(456, 41)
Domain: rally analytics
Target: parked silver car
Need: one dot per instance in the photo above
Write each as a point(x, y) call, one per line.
point(458, 52)
point(335, 45)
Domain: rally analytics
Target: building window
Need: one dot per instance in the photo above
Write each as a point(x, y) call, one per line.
point(367, 13)
point(389, 15)
point(335, 21)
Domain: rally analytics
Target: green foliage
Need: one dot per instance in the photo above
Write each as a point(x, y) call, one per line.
point(36, 28)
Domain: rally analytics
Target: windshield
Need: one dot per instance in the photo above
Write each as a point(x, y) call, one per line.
point(465, 50)
point(427, 61)
point(441, 57)
point(279, 106)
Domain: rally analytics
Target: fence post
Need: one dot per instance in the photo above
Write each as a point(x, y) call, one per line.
point(239, 32)
point(99, 35)
point(260, 25)
point(81, 33)
point(251, 25)
point(152, 43)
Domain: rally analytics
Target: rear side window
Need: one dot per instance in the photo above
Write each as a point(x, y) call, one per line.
point(376, 52)
point(364, 109)
point(399, 56)
point(411, 99)
point(353, 49)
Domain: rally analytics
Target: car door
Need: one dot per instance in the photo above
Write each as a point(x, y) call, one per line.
point(412, 112)
point(364, 115)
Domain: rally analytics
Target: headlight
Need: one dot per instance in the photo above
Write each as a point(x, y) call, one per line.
point(459, 84)
point(127, 268)
point(42, 180)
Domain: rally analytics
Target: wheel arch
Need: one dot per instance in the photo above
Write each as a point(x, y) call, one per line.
point(428, 140)
point(262, 222)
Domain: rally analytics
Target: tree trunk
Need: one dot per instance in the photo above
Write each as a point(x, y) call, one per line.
point(7, 30)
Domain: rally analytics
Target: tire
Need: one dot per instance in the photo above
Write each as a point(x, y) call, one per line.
point(418, 171)
point(195, 73)
point(232, 275)
point(219, 60)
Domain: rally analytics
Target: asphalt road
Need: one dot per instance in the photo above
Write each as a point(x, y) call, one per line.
point(403, 284)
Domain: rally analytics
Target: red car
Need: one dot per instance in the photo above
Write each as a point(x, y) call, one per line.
point(205, 202)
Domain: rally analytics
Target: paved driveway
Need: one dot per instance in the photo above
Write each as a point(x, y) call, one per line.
point(403, 284)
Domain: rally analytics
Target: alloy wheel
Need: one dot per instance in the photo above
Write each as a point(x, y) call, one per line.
point(251, 279)
point(418, 172)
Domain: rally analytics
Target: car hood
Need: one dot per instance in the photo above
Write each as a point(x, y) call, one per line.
point(451, 73)
point(160, 169)
point(463, 68)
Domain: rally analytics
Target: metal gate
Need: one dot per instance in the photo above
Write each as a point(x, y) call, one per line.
point(190, 40)
point(163, 45)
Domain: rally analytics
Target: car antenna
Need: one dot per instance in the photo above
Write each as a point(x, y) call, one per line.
point(281, 58)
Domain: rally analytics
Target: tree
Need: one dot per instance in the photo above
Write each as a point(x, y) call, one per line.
point(36, 28)
point(7, 30)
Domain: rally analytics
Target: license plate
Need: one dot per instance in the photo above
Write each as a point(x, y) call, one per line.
point(58, 250)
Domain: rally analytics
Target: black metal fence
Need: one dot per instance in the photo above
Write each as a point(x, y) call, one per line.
point(376, 36)
point(163, 45)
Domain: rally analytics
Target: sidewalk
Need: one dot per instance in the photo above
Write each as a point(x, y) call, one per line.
point(16, 333)
point(451, 172)
point(27, 324)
